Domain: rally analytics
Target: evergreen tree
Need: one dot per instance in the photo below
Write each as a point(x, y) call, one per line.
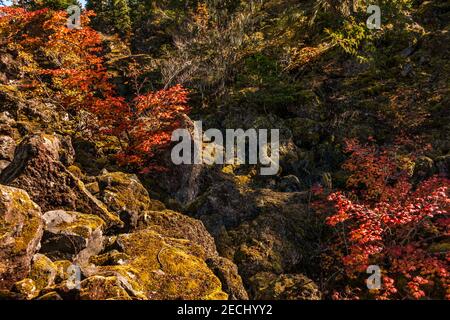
point(121, 17)
point(113, 16)
point(102, 21)
point(140, 10)
point(53, 4)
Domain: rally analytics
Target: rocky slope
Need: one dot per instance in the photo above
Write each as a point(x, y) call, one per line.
point(73, 225)
point(67, 235)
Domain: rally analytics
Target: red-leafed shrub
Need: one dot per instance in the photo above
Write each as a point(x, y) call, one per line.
point(65, 67)
point(61, 65)
point(146, 125)
point(386, 221)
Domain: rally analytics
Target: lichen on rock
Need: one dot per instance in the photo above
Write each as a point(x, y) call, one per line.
point(125, 195)
point(176, 225)
point(43, 271)
point(72, 235)
point(21, 228)
point(269, 286)
point(38, 168)
point(165, 268)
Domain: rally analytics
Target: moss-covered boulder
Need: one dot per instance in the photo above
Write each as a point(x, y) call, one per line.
point(64, 270)
point(261, 230)
point(228, 274)
point(278, 239)
point(93, 188)
point(38, 167)
point(173, 225)
point(164, 268)
point(270, 286)
point(125, 195)
point(176, 225)
point(72, 235)
point(43, 271)
point(21, 228)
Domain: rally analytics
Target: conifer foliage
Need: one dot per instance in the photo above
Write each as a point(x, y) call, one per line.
point(112, 16)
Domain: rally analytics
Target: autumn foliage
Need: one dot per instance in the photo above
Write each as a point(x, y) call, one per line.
point(65, 67)
point(58, 63)
point(145, 124)
point(385, 220)
point(382, 218)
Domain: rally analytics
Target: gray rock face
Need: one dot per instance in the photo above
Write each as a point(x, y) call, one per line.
point(38, 168)
point(124, 195)
point(72, 236)
point(7, 147)
point(20, 233)
point(263, 231)
point(184, 181)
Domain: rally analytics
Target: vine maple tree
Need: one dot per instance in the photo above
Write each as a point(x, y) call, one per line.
point(59, 64)
point(146, 125)
point(65, 67)
point(390, 223)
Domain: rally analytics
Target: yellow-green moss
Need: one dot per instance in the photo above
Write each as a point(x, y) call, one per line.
point(43, 271)
point(167, 268)
point(62, 267)
point(26, 288)
point(126, 191)
point(21, 210)
point(76, 171)
point(93, 187)
point(83, 224)
point(110, 258)
point(102, 288)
